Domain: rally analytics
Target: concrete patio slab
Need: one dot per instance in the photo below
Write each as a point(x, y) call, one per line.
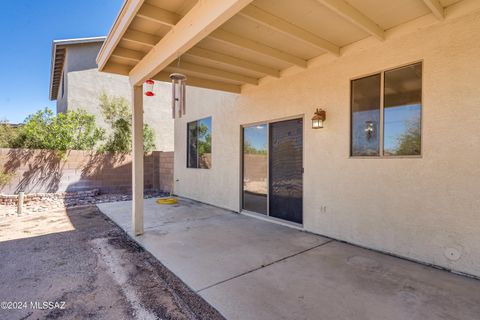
point(205, 245)
point(338, 281)
point(253, 269)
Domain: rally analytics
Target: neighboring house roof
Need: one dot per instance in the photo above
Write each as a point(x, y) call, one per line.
point(58, 59)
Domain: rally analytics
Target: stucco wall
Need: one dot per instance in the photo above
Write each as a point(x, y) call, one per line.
point(85, 84)
point(416, 208)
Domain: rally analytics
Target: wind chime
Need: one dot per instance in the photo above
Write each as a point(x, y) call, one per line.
point(178, 94)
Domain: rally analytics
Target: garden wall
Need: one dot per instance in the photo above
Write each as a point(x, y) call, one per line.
point(37, 171)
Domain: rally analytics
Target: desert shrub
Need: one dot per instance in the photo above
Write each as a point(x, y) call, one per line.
point(117, 114)
point(73, 130)
point(409, 143)
point(8, 134)
point(4, 178)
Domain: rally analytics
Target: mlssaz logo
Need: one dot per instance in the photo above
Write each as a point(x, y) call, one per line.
point(47, 305)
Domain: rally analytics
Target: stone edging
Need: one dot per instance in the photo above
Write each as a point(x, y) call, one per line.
point(37, 197)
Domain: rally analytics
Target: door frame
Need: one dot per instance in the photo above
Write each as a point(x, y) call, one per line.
point(267, 217)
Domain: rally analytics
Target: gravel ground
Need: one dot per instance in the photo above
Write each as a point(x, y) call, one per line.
point(53, 202)
point(76, 264)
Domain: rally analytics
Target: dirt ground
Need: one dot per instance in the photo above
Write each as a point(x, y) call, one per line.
point(77, 264)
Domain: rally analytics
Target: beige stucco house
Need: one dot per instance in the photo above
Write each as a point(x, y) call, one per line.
point(76, 83)
point(396, 166)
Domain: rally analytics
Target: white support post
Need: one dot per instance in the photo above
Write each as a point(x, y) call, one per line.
point(137, 160)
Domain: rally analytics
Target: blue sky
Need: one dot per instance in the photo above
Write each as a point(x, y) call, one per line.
point(27, 29)
point(397, 121)
point(257, 136)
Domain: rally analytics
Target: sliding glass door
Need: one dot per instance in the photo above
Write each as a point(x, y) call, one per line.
point(273, 169)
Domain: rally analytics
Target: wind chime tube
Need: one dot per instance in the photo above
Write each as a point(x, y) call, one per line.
point(179, 97)
point(173, 98)
point(183, 95)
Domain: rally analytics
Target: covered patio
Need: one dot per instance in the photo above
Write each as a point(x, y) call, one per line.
point(408, 65)
point(236, 45)
point(251, 269)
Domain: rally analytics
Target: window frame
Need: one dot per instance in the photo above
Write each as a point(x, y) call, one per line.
point(381, 154)
point(196, 149)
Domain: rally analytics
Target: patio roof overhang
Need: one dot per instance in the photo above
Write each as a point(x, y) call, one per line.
point(229, 44)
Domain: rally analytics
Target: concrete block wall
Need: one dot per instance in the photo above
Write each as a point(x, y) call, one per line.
point(165, 174)
point(34, 171)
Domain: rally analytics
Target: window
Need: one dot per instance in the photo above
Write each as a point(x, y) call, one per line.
point(402, 111)
point(199, 144)
point(366, 116)
point(398, 131)
point(63, 85)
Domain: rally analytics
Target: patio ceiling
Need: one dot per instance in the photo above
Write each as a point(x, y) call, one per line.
point(226, 44)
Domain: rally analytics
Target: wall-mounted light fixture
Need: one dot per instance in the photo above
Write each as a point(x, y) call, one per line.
point(318, 118)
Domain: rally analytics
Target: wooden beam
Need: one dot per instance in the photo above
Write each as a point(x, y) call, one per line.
point(128, 54)
point(354, 16)
point(158, 15)
point(202, 83)
point(278, 24)
point(223, 59)
point(198, 70)
point(199, 22)
point(121, 24)
point(258, 48)
point(436, 7)
point(117, 68)
point(142, 38)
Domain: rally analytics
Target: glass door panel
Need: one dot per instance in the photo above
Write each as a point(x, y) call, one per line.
point(255, 168)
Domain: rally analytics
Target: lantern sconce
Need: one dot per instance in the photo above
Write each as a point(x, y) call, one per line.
point(369, 129)
point(318, 118)
point(149, 88)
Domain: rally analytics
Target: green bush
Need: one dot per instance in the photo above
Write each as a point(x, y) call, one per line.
point(116, 113)
point(409, 143)
point(73, 130)
point(77, 130)
point(5, 178)
point(8, 134)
